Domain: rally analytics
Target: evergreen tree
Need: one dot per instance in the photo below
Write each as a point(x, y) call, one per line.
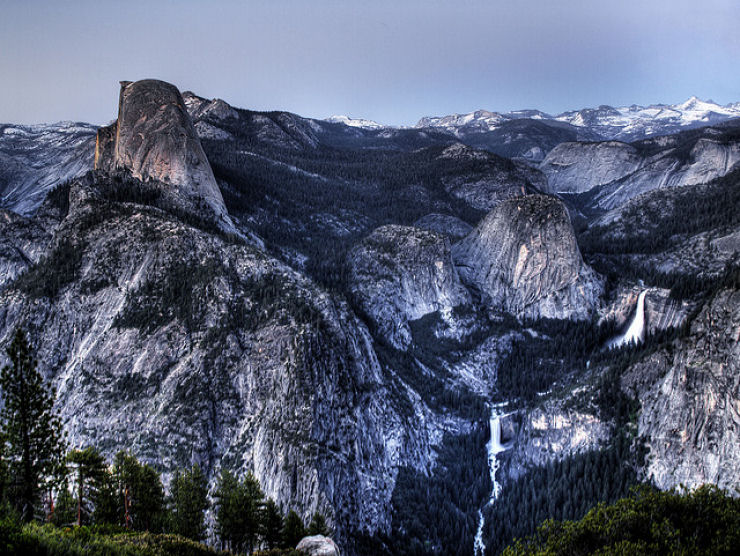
point(34, 443)
point(318, 525)
point(293, 530)
point(252, 501)
point(90, 467)
point(141, 493)
point(106, 499)
point(65, 509)
point(189, 500)
point(272, 524)
point(228, 514)
point(4, 473)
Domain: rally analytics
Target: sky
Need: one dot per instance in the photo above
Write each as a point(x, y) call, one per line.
point(390, 61)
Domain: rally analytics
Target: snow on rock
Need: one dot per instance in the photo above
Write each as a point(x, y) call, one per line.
point(354, 122)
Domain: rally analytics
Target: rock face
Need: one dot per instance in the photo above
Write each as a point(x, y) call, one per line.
point(183, 347)
point(22, 242)
point(399, 274)
point(318, 545)
point(500, 179)
point(154, 139)
point(552, 431)
point(524, 259)
point(612, 173)
point(690, 398)
point(35, 159)
point(579, 167)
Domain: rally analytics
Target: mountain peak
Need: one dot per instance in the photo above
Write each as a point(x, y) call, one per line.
point(354, 122)
point(154, 139)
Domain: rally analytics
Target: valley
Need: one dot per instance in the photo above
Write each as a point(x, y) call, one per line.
point(436, 336)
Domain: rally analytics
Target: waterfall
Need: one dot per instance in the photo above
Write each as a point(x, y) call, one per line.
point(493, 447)
point(635, 332)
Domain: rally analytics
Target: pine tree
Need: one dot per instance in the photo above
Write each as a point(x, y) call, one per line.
point(272, 524)
point(318, 525)
point(34, 442)
point(293, 530)
point(252, 502)
point(141, 493)
point(189, 500)
point(239, 507)
point(90, 467)
point(228, 514)
point(65, 509)
point(106, 500)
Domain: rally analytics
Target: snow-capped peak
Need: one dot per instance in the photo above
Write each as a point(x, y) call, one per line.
point(625, 123)
point(354, 122)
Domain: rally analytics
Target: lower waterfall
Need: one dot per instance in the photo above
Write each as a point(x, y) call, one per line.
point(493, 447)
point(635, 332)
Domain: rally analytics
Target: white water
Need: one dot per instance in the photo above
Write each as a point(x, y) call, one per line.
point(635, 332)
point(493, 447)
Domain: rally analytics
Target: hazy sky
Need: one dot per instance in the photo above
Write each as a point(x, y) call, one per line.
point(390, 61)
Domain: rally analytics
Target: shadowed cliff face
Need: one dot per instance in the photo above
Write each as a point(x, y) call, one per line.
point(524, 258)
point(399, 274)
point(154, 139)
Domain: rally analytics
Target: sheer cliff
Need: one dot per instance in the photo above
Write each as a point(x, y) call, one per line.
point(154, 139)
point(690, 397)
point(523, 257)
point(399, 274)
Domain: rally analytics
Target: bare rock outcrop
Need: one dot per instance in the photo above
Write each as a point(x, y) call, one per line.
point(576, 167)
point(612, 173)
point(552, 431)
point(318, 545)
point(524, 259)
point(34, 159)
point(690, 397)
point(399, 274)
point(154, 139)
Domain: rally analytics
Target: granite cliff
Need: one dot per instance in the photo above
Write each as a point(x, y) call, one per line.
point(399, 274)
point(524, 259)
point(154, 139)
point(611, 173)
point(690, 398)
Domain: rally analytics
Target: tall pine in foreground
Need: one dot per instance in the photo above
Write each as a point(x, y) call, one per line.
point(272, 524)
point(239, 511)
point(32, 433)
point(90, 469)
point(141, 494)
point(189, 500)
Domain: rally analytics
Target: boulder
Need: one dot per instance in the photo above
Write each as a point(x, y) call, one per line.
point(318, 545)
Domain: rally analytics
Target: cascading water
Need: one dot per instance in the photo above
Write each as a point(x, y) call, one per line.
point(493, 447)
point(635, 332)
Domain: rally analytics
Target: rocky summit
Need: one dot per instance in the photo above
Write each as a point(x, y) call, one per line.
point(524, 259)
point(154, 139)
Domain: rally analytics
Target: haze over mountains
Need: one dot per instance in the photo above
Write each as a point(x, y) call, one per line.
point(352, 312)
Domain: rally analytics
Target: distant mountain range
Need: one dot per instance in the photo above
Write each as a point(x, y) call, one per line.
point(628, 123)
